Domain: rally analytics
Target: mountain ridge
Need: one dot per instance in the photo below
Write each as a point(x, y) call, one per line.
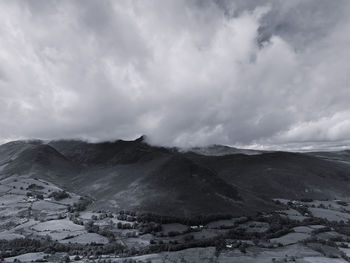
point(135, 175)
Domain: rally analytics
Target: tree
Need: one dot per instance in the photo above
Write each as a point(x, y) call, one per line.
point(59, 195)
point(91, 227)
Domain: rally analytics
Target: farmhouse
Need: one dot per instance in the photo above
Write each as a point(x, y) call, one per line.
point(30, 199)
point(197, 227)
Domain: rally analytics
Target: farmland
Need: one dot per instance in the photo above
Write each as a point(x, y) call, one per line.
point(62, 225)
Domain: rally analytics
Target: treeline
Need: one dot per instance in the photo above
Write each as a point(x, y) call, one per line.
point(79, 206)
point(195, 220)
point(11, 248)
point(175, 246)
point(132, 216)
point(59, 195)
point(25, 245)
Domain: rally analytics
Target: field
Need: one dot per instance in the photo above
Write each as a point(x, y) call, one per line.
point(323, 260)
point(284, 254)
point(175, 227)
point(222, 223)
point(86, 238)
point(205, 255)
point(290, 238)
point(255, 227)
point(303, 229)
point(298, 232)
point(57, 225)
point(329, 214)
point(28, 257)
point(293, 214)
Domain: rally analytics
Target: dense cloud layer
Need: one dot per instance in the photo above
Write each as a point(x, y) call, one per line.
point(258, 73)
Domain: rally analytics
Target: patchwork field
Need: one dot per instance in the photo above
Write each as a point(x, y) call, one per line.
point(63, 224)
point(329, 214)
point(86, 238)
point(56, 225)
point(290, 238)
point(28, 257)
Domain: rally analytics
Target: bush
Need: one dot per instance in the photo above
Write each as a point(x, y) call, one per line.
point(91, 228)
point(35, 187)
point(59, 195)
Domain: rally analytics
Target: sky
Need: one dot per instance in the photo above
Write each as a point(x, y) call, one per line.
point(270, 74)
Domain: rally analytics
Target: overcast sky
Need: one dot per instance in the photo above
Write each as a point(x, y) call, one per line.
point(265, 74)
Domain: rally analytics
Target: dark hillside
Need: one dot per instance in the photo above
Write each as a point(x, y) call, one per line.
point(135, 175)
point(108, 153)
point(282, 174)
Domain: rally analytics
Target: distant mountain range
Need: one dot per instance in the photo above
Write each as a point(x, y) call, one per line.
point(211, 180)
point(220, 150)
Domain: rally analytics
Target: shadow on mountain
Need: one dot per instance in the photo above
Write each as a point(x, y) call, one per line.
point(134, 175)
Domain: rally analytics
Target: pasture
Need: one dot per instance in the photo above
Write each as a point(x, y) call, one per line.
point(290, 238)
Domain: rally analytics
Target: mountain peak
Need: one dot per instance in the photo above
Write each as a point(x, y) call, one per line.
point(142, 138)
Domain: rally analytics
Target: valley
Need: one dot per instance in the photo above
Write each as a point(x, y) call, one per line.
point(64, 228)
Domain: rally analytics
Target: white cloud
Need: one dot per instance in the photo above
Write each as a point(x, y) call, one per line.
point(182, 72)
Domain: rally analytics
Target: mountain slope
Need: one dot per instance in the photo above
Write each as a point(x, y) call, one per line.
point(134, 175)
point(221, 150)
point(34, 157)
point(282, 174)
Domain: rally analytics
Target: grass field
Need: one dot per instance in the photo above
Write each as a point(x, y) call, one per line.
point(28, 257)
point(6, 235)
point(56, 225)
point(329, 214)
point(259, 255)
point(224, 223)
point(303, 229)
point(174, 227)
point(49, 206)
point(323, 260)
point(255, 227)
point(86, 239)
point(293, 214)
point(290, 238)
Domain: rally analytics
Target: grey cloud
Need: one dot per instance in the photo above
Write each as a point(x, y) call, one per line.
point(249, 73)
point(299, 22)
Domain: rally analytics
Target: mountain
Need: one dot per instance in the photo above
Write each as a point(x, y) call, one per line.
point(35, 158)
point(339, 156)
point(282, 174)
point(220, 150)
point(137, 176)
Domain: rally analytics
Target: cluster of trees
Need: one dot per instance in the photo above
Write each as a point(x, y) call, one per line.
point(126, 217)
point(160, 246)
point(34, 187)
point(10, 248)
point(195, 220)
point(120, 225)
point(149, 227)
point(92, 228)
point(59, 195)
point(102, 216)
point(79, 206)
